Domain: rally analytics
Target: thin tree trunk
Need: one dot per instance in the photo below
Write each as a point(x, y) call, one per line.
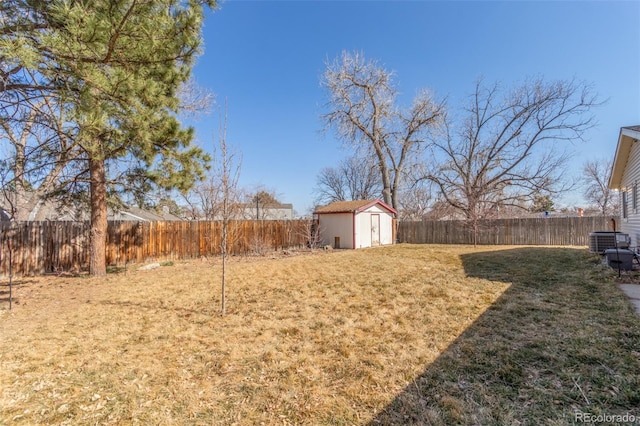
point(98, 233)
point(475, 234)
point(223, 249)
point(225, 230)
point(224, 290)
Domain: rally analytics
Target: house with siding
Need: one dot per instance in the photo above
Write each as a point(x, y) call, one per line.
point(625, 177)
point(271, 211)
point(251, 211)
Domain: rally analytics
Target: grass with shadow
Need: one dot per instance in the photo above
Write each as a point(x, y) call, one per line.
point(562, 341)
point(7, 290)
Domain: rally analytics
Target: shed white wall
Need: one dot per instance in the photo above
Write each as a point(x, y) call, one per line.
point(336, 225)
point(363, 229)
point(364, 224)
point(386, 228)
point(631, 177)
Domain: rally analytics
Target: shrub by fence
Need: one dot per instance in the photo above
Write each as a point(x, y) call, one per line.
point(54, 247)
point(536, 231)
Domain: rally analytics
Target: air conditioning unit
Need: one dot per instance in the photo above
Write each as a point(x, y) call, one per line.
point(599, 241)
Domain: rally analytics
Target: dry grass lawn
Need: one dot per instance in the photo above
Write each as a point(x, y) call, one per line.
point(392, 335)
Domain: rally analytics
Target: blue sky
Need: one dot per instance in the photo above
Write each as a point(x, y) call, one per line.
point(265, 58)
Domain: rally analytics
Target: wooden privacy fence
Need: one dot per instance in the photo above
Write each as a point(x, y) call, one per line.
point(54, 247)
point(537, 231)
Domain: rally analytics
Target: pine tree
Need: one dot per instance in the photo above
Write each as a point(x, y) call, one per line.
point(114, 68)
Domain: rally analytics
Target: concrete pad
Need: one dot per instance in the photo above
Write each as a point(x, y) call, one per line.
point(633, 293)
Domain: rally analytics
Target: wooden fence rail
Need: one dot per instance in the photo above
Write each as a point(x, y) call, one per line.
point(53, 247)
point(537, 231)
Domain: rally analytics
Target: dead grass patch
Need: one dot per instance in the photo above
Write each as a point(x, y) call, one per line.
point(423, 334)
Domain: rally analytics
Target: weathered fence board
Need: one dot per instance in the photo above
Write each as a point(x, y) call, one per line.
point(534, 231)
point(54, 247)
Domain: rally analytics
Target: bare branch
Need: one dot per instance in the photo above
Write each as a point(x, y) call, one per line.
point(507, 151)
point(596, 186)
point(194, 99)
point(355, 178)
point(362, 112)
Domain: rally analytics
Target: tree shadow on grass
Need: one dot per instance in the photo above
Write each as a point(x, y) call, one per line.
point(561, 341)
point(15, 285)
point(161, 307)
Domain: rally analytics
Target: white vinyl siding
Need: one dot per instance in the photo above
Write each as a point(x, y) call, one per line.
point(630, 222)
point(363, 236)
point(363, 229)
point(336, 225)
point(386, 229)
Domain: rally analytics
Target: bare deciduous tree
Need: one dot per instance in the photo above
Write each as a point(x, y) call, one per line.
point(330, 186)
point(195, 100)
point(309, 231)
point(204, 200)
point(38, 145)
point(260, 203)
point(596, 186)
point(355, 178)
point(509, 147)
point(363, 112)
point(227, 172)
point(415, 202)
point(441, 210)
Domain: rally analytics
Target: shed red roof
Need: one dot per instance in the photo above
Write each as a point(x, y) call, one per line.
point(352, 206)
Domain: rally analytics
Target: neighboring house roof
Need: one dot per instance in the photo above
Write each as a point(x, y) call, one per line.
point(253, 211)
point(47, 210)
point(53, 211)
point(628, 135)
point(267, 209)
point(135, 213)
point(353, 207)
point(269, 205)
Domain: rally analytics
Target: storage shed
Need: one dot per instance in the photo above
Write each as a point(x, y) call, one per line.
point(356, 224)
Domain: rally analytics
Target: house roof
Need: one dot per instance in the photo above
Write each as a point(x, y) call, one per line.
point(628, 135)
point(42, 210)
point(352, 206)
point(56, 211)
point(136, 213)
point(273, 206)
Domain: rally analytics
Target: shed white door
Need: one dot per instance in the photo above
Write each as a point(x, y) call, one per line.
point(375, 229)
